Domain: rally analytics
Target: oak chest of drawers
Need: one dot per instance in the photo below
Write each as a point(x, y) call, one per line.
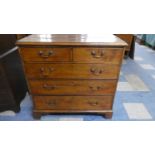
point(72, 73)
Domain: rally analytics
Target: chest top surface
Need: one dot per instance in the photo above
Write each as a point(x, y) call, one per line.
point(72, 40)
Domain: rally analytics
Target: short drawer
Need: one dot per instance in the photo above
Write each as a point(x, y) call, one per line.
point(72, 71)
point(98, 55)
point(46, 54)
point(73, 102)
point(72, 87)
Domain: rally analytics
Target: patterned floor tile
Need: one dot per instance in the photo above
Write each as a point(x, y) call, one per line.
point(136, 83)
point(124, 86)
point(49, 118)
point(137, 111)
point(153, 76)
point(137, 58)
point(149, 50)
point(62, 117)
point(71, 119)
point(142, 47)
point(147, 66)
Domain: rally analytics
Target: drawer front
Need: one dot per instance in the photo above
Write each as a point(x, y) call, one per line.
point(73, 102)
point(46, 54)
point(76, 71)
point(72, 87)
point(98, 55)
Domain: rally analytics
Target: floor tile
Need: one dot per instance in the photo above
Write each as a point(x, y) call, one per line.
point(137, 111)
point(124, 86)
point(147, 66)
point(136, 83)
point(70, 119)
point(49, 118)
point(149, 50)
point(153, 76)
point(137, 58)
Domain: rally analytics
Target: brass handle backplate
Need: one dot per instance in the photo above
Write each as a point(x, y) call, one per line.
point(93, 103)
point(51, 103)
point(97, 54)
point(96, 71)
point(45, 54)
point(95, 88)
point(46, 71)
point(45, 86)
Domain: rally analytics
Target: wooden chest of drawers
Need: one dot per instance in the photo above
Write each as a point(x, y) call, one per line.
point(72, 73)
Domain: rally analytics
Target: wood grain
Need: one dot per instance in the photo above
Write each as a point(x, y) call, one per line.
point(46, 54)
point(73, 102)
point(72, 40)
point(72, 87)
point(71, 71)
point(98, 55)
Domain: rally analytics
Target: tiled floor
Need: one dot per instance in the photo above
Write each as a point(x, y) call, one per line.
point(134, 100)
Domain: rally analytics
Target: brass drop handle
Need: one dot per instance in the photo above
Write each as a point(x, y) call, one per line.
point(95, 88)
point(45, 54)
point(46, 71)
point(45, 86)
point(93, 103)
point(97, 54)
point(51, 103)
point(96, 71)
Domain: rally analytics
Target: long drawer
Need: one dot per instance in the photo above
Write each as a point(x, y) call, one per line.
point(98, 55)
point(75, 71)
point(73, 102)
point(46, 54)
point(72, 87)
